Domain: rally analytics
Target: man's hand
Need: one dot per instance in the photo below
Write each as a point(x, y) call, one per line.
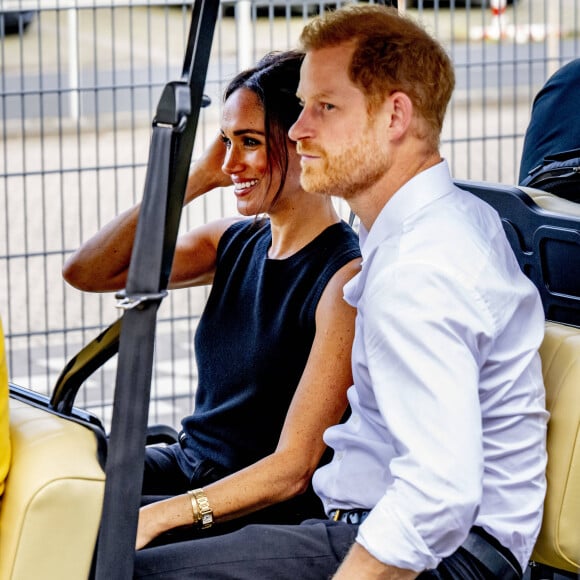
point(360, 565)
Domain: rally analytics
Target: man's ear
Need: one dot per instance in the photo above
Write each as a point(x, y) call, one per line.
point(400, 109)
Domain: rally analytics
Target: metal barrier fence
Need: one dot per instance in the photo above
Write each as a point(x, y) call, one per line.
point(79, 83)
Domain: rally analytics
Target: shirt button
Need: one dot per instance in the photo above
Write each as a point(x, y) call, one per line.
point(339, 455)
point(355, 419)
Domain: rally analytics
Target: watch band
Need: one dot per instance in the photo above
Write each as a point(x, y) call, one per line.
point(204, 509)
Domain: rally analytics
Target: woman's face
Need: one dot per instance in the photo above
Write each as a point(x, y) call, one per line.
point(246, 159)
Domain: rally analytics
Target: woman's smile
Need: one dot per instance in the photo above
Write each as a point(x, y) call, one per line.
point(242, 188)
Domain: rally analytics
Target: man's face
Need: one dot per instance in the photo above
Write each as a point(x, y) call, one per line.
point(341, 150)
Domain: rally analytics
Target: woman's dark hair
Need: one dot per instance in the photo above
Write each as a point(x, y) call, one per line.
point(274, 80)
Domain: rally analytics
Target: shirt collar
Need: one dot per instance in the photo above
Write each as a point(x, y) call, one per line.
point(418, 192)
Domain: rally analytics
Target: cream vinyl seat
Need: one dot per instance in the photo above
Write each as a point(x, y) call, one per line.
point(51, 507)
point(544, 231)
point(559, 543)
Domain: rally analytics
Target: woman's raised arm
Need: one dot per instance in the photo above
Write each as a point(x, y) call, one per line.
point(101, 263)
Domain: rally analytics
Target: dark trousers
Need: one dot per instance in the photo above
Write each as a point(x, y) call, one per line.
point(171, 470)
point(555, 120)
point(310, 551)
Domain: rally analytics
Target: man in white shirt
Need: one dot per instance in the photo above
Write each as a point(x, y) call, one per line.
point(439, 470)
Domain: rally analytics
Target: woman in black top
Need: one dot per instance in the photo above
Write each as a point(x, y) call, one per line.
point(273, 344)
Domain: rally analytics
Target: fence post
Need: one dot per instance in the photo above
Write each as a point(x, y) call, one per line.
point(243, 15)
point(553, 41)
point(73, 64)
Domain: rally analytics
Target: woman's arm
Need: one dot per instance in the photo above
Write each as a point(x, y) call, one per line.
point(102, 262)
point(319, 402)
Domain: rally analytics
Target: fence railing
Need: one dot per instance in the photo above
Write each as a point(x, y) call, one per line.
point(79, 82)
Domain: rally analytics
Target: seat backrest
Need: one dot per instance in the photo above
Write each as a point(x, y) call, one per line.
point(558, 544)
point(51, 508)
point(544, 231)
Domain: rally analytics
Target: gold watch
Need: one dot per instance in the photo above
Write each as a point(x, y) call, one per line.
point(205, 511)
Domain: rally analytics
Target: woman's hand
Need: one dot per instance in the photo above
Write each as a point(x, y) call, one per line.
point(206, 173)
point(161, 516)
point(146, 528)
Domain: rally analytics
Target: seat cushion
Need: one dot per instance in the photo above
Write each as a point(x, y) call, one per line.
point(559, 542)
point(51, 508)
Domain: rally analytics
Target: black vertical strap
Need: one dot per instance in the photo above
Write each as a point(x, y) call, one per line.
point(126, 450)
point(171, 147)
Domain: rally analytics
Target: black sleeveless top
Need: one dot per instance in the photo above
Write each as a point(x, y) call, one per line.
point(254, 338)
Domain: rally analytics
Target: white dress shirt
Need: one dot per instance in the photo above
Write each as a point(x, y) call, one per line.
point(448, 420)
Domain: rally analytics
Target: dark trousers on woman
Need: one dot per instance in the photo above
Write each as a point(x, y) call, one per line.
point(310, 551)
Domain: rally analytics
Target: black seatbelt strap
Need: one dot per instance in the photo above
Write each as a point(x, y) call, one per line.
point(171, 147)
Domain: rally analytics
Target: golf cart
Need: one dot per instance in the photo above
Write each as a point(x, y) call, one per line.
point(72, 495)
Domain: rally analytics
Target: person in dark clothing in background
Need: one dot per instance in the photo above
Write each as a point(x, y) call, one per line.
point(554, 128)
point(273, 344)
